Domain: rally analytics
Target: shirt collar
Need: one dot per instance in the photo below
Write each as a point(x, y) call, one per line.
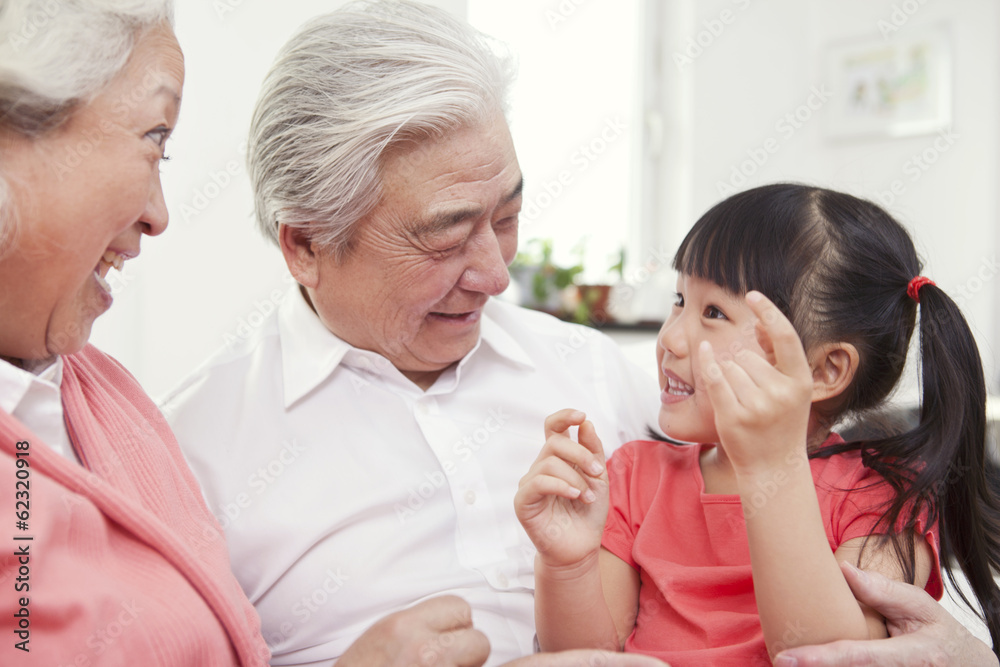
point(310, 352)
point(494, 335)
point(15, 382)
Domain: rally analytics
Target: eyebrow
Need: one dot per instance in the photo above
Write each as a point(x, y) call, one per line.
point(449, 219)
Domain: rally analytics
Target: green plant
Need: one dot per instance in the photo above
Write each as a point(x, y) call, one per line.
point(547, 277)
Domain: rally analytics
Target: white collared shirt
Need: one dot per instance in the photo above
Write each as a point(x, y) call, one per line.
point(348, 493)
point(36, 401)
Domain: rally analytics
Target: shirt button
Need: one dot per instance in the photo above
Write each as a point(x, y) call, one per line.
point(470, 497)
point(502, 580)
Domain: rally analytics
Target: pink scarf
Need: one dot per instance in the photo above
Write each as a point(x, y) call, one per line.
point(126, 565)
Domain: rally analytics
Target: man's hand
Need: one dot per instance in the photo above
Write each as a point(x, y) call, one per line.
point(435, 632)
point(586, 659)
point(921, 632)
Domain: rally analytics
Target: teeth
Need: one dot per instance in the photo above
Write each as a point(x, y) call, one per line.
point(113, 259)
point(102, 282)
point(678, 388)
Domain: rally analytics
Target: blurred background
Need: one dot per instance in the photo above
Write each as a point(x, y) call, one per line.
point(630, 118)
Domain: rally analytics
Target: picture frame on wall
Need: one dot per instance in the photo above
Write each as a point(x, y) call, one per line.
point(896, 87)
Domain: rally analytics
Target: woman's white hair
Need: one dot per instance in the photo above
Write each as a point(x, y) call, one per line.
point(56, 55)
point(346, 88)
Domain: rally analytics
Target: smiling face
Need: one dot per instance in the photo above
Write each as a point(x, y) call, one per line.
point(424, 262)
point(703, 311)
point(84, 194)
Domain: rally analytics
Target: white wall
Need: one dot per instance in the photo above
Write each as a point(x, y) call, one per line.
point(763, 65)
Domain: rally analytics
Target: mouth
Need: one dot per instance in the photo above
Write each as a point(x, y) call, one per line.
point(466, 317)
point(676, 386)
point(110, 260)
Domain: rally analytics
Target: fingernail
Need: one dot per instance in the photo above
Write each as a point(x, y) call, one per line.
point(785, 661)
point(754, 296)
point(859, 573)
point(578, 416)
point(589, 496)
point(596, 468)
point(575, 493)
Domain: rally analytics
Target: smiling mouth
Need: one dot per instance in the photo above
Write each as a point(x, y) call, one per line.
point(678, 388)
point(110, 260)
point(466, 317)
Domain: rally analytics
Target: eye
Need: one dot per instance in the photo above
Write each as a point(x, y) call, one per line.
point(159, 137)
point(506, 223)
point(678, 300)
point(713, 313)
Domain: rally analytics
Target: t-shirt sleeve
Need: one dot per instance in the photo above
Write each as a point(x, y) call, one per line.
point(621, 526)
point(860, 514)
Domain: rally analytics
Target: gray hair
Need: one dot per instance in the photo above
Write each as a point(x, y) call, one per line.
point(58, 54)
point(348, 87)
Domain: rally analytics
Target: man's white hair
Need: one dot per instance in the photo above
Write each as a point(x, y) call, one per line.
point(351, 85)
point(56, 55)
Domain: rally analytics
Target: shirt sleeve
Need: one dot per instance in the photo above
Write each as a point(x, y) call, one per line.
point(620, 528)
point(860, 514)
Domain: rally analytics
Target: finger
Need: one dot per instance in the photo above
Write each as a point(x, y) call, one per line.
point(720, 394)
point(542, 486)
point(845, 653)
point(575, 453)
point(559, 422)
point(564, 472)
point(462, 648)
point(776, 333)
point(745, 389)
point(443, 613)
point(895, 600)
point(759, 369)
point(588, 438)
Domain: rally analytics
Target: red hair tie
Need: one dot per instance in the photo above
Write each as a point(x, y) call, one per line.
point(913, 289)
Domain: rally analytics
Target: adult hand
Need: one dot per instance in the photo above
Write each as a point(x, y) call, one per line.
point(921, 632)
point(435, 632)
point(586, 659)
point(563, 500)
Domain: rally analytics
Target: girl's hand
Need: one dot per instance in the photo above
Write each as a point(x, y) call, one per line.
point(761, 404)
point(563, 500)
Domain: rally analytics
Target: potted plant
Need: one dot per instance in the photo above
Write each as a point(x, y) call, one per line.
point(540, 280)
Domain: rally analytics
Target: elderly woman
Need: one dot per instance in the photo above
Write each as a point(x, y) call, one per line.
point(111, 556)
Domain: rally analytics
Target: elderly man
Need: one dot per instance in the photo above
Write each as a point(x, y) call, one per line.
point(362, 450)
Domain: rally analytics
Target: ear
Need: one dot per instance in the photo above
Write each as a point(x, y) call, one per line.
point(833, 366)
point(300, 255)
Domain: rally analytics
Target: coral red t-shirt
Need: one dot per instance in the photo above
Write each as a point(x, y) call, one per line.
point(696, 599)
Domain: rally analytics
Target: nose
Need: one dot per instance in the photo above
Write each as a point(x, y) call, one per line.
point(672, 339)
point(486, 272)
point(154, 217)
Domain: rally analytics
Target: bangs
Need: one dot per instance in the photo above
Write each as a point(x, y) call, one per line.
point(754, 240)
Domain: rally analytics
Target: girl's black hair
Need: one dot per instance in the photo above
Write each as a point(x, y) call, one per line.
point(838, 267)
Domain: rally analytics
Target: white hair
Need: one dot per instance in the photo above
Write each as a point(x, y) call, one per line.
point(58, 54)
point(346, 88)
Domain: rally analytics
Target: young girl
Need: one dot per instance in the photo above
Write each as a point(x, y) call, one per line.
point(795, 307)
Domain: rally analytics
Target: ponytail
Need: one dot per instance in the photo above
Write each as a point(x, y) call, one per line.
point(952, 438)
point(941, 466)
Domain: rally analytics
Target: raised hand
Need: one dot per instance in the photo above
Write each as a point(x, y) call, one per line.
point(563, 500)
point(761, 403)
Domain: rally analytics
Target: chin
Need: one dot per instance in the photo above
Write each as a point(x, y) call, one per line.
point(69, 339)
